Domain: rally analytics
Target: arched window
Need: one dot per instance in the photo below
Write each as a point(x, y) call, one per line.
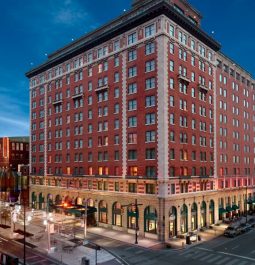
point(184, 219)
point(203, 214)
point(102, 212)
point(116, 214)
point(173, 222)
point(150, 220)
point(194, 216)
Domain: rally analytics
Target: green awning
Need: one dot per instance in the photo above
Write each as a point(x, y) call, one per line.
point(222, 211)
point(103, 210)
point(235, 207)
point(151, 216)
point(132, 214)
point(229, 209)
point(74, 211)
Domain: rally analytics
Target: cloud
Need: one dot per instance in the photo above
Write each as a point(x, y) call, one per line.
point(68, 13)
point(15, 121)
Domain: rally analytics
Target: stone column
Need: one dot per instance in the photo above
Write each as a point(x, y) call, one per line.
point(189, 217)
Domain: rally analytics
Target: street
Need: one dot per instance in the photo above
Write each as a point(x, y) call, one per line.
point(32, 257)
point(236, 251)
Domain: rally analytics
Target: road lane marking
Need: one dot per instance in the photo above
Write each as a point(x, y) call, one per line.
point(238, 256)
point(222, 260)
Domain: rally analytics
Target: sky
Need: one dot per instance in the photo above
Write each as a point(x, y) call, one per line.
point(31, 29)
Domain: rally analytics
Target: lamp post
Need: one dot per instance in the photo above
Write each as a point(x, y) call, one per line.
point(85, 219)
point(136, 218)
point(246, 201)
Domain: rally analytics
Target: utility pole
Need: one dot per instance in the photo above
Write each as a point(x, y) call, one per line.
point(136, 222)
point(85, 219)
point(136, 217)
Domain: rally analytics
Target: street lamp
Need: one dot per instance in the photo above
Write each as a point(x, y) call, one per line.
point(136, 218)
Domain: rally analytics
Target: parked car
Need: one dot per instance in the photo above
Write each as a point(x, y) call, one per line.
point(251, 221)
point(231, 231)
point(245, 228)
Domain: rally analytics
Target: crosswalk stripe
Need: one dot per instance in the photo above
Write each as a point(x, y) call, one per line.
point(233, 261)
point(214, 259)
point(206, 257)
point(223, 260)
point(198, 255)
point(243, 262)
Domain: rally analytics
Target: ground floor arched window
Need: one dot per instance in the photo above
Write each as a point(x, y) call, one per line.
point(116, 214)
point(150, 220)
point(203, 214)
point(132, 215)
point(173, 222)
point(102, 212)
point(184, 219)
point(194, 216)
point(211, 213)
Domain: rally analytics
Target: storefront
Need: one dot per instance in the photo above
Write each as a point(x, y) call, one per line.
point(132, 215)
point(116, 214)
point(150, 220)
point(102, 212)
point(203, 214)
point(194, 216)
point(184, 219)
point(173, 222)
point(211, 213)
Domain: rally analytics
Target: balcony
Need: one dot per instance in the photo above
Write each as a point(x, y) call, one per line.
point(102, 88)
point(203, 87)
point(183, 78)
point(57, 101)
point(78, 95)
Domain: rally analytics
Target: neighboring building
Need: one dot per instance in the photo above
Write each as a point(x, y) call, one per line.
point(14, 160)
point(14, 151)
point(142, 108)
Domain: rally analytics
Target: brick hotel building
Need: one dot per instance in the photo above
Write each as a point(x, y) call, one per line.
point(146, 107)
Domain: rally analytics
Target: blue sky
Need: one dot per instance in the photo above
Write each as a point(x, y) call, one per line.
point(32, 28)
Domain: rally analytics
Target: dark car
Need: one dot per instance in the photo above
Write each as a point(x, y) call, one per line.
point(245, 228)
point(231, 231)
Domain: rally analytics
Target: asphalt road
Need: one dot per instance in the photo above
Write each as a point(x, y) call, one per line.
point(32, 257)
point(220, 251)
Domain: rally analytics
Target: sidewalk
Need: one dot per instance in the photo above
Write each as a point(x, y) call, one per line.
point(63, 250)
point(124, 237)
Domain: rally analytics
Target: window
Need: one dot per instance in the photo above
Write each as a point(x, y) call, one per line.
point(132, 55)
point(171, 48)
point(182, 37)
point(132, 138)
point(116, 92)
point(150, 172)
point(149, 48)
point(150, 66)
point(132, 121)
point(132, 105)
point(150, 153)
point(171, 83)
point(150, 118)
point(150, 83)
point(132, 88)
point(172, 118)
point(132, 71)
point(150, 101)
point(116, 46)
point(150, 136)
point(171, 66)
point(171, 101)
point(150, 188)
point(172, 154)
point(150, 30)
point(132, 38)
point(116, 77)
point(132, 154)
point(171, 30)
